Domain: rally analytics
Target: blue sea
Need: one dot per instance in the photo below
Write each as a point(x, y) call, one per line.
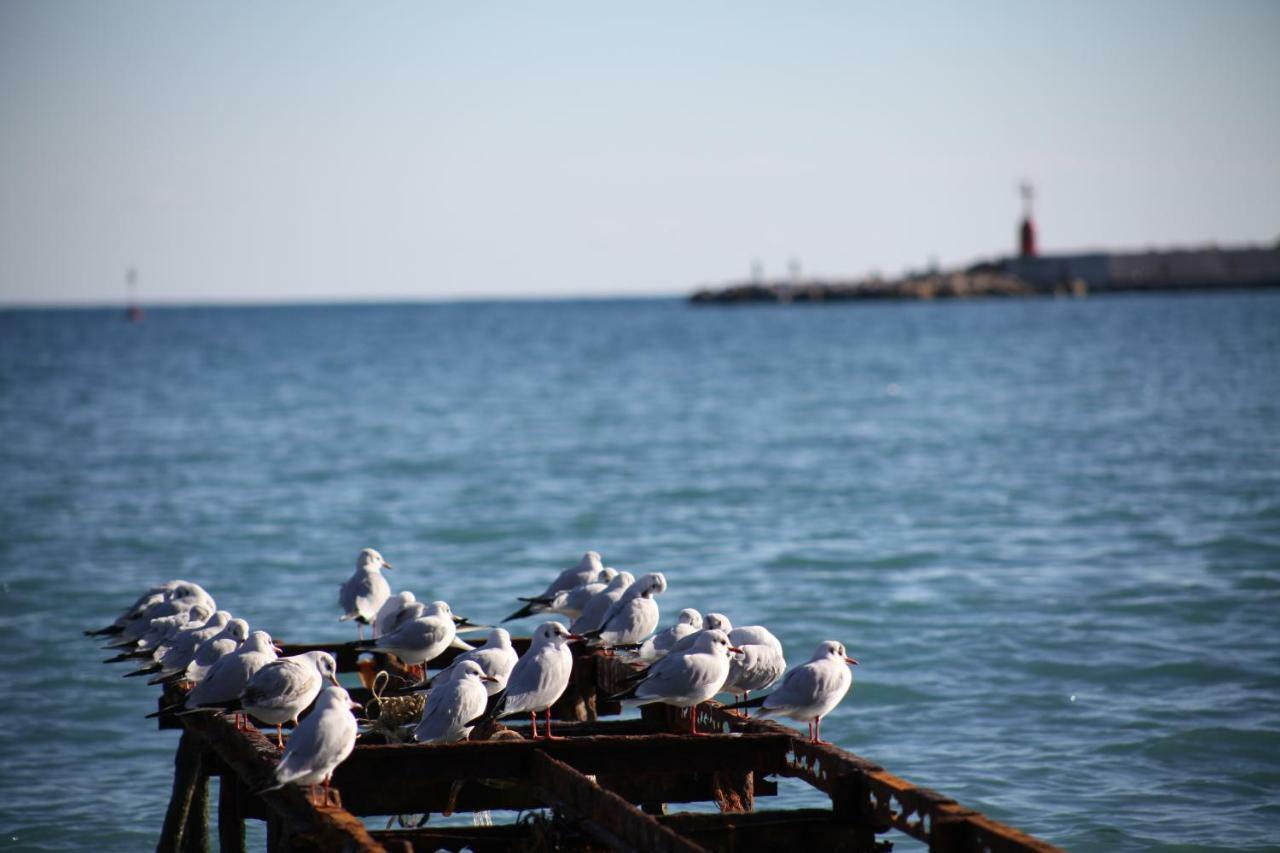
point(1048, 529)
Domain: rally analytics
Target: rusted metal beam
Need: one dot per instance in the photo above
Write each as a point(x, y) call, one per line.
point(303, 824)
point(802, 829)
point(607, 817)
point(508, 759)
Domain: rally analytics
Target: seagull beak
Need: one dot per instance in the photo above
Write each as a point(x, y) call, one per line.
point(574, 637)
point(334, 679)
point(387, 565)
point(356, 706)
point(851, 661)
point(735, 649)
point(278, 649)
point(488, 678)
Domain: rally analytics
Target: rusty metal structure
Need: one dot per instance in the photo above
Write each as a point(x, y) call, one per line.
point(605, 785)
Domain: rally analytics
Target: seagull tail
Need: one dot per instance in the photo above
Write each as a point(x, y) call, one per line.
point(146, 670)
point(108, 631)
point(750, 703)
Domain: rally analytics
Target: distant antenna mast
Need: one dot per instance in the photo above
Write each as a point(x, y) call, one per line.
point(134, 312)
point(1027, 231)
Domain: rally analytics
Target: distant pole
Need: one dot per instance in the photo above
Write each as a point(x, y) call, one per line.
point(134, 311)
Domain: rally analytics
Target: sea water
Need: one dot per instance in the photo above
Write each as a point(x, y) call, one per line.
point(1049, 530)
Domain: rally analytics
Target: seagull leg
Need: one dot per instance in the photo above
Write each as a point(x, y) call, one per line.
point(549, 735)
point(279, 736)
point(533, 717)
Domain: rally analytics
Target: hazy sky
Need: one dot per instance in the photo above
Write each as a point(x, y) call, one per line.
point(324, 150)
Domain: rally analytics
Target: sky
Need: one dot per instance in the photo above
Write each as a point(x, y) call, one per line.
point(319, 151)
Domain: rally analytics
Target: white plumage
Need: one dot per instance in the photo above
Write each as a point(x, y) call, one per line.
point(452, 706)
point(320, 743)
point(366, 590)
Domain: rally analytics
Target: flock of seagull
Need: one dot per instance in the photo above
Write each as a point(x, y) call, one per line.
point(176, 634)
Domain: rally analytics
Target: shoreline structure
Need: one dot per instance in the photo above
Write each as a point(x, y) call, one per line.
point(1076, 275)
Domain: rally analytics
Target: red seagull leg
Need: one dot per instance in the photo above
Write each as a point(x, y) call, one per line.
point(549, 735)
point(533, 716)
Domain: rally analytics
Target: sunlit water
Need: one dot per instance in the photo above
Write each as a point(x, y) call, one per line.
point(1050, 530)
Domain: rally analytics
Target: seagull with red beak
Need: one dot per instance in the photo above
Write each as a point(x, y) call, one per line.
point(811, 690)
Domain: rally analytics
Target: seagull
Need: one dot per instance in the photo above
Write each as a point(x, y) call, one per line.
point(179, 649)
point(811, 690)
point(586, 571)
point(710, 622)
point(319, 744)
point(282, 689)
point(567, 602)
point(685, 679)
point(365, 591)
point(595, 611)
point(760, 664)
point(423, 639)
point(496, 659)
point(140, 638)
point(236, 632)
point(169, 590)
point(539, 678)
point(453, 706)
point(221, 687)
point(634, 616)
point(385, 621)
point(658, 645)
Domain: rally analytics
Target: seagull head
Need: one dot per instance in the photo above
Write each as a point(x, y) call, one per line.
point(717, 621)
point(652, 584)
point(832, 650)
point(238, 630)
point(690, 617)
point(371, 560)
point(327, 666)
point(439, 608)
point(499, 638)
point(554, 633)
point(714, 642)
point(336, 696)
point(605, 575)
point(471, 669)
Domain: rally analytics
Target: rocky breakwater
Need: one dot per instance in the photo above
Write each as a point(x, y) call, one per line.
point(951, 285)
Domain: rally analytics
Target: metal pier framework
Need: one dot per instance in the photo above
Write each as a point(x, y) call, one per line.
point(606, 785)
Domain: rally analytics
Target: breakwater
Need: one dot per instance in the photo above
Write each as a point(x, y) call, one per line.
point(1047, 275)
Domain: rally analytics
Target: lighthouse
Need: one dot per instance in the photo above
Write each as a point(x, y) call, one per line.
point(1027, 231)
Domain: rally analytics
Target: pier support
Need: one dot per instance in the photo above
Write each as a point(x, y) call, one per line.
point(187, 818)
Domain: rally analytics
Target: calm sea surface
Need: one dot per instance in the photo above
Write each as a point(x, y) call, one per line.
point(1049, 530)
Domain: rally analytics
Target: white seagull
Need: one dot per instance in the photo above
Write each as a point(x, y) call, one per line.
point(225, 680)
point(365, 591)
point(811, 690)
point(385, 620)
point(598, 607)
point(710, 622)
point(421, 640)
point(760, 664)
point(659, 644)
point(685, 679)
point(496, 659)
point(586, 571)
point(281, 690)
point(320, 742)
point(452, 707)
point(540, 677)
point(635, 615)
point(226, 642)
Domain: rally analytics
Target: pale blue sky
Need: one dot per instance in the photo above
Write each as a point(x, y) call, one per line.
point(281, 151)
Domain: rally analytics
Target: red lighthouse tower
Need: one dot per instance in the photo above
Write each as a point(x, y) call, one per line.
point(1027, 231)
